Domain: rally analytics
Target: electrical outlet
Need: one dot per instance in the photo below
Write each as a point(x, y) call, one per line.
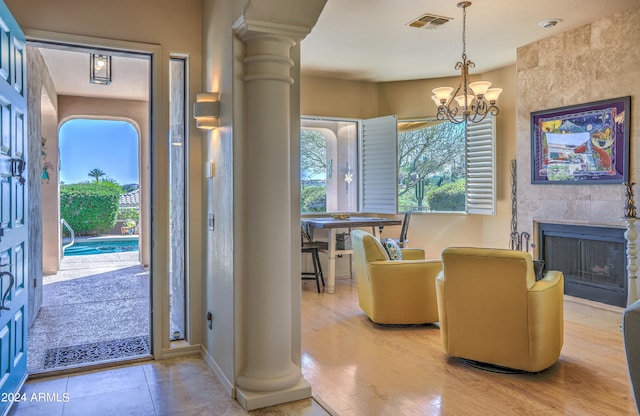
point(210, 320)
point(211, 222)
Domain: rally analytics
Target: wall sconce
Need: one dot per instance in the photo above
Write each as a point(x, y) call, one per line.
point(99, 69)
point(206, 110)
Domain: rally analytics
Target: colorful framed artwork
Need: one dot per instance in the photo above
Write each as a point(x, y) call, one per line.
point(585, 143)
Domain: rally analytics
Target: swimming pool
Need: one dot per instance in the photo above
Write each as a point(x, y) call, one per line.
point(83, 248)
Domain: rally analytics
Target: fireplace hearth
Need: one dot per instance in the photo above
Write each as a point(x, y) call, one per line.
point(592, 259)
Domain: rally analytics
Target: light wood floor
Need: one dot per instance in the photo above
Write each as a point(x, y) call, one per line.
point(360, 368)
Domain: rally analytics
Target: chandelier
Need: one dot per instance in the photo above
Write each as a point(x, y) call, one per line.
point(470, 102)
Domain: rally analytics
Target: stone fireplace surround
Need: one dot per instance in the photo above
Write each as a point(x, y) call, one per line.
point(572, 68)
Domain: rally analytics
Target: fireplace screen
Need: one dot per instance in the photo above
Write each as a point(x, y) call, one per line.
point(594, 265)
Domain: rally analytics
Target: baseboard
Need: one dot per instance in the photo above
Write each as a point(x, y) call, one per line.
point(227, 384)
point(179, 349)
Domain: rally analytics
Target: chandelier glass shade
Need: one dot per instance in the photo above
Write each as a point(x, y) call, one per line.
point(469, 102)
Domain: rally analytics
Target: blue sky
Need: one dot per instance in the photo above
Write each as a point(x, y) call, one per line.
point(109, 145)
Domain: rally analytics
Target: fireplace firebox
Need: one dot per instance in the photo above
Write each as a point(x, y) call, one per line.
point(592, 259)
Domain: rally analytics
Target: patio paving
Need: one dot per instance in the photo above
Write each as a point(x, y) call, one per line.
point(93, 299)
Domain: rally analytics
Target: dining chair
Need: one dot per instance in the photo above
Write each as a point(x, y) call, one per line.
point(402, 241)
point(312, 247)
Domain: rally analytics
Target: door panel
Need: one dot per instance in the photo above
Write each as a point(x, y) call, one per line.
point(5, 50)
point(13, 197)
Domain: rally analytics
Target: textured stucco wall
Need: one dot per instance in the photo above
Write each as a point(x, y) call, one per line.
point(38, 83)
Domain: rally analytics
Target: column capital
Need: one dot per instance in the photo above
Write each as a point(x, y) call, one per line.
point(268, 51)
point(247, 28)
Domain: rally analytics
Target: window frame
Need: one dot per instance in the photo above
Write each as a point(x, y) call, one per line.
point(480, 160)
point(480, 166)
point(356, 168)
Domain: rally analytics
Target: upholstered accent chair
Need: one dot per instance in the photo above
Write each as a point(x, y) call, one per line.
point(492, 309)
point(394, 291)
point(631, 334)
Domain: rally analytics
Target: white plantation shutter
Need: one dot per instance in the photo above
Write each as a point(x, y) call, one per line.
point(481, 167)
point(379, 158)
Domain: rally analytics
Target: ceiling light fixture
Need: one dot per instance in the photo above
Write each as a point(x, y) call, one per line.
point(475, 100)
point(547, 24)
point(99, 69)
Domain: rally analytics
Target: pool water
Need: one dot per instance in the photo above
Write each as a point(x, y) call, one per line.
point(101, 247)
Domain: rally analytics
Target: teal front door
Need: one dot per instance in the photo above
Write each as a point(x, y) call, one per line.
point(13, 209)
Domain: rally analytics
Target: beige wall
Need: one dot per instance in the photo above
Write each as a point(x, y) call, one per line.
point(411, 99)
point(172, 24)
point(593, 62)
point(329, 97)
point(222, 66)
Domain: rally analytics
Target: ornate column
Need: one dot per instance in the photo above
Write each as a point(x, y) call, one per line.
point(631, 235)
point(269, 375)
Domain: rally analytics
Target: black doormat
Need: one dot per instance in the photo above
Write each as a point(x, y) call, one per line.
point(97, 351)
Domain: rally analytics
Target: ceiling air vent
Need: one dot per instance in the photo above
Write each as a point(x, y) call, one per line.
point(429, 21)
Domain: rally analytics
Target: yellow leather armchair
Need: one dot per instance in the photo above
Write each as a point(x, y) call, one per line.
point(492, 309)
point(394, 291)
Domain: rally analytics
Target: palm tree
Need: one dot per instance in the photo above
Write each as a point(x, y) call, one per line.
point(96, 173)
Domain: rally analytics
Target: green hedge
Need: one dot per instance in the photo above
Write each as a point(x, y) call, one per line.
point(90, 208)
point(313, 199)
point(129, 214)
point(449, 197)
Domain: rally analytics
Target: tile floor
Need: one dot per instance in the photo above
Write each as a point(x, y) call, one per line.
point(176, 387)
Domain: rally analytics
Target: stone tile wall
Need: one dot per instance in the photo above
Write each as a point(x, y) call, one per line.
point(597, 61)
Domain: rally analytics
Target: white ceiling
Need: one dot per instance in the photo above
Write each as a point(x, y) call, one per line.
point(69, 71)
point(369, 40)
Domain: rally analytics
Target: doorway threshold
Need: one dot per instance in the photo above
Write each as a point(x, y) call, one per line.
point(81, 368)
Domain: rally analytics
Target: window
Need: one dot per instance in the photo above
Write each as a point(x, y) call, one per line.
point(440, 171)
point(178, 155)
point(420, 165)
point(431, 166)
point(328, 165)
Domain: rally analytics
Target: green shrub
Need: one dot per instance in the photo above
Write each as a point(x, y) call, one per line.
point(129, 214)
point(313, 199)
point(90, 208)
point(449, 197)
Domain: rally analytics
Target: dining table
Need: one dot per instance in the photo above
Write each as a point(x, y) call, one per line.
point(333, 224)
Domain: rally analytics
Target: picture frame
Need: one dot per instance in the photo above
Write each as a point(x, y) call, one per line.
point(581, 144)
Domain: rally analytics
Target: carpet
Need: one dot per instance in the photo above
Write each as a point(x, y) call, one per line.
point(96, 352)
